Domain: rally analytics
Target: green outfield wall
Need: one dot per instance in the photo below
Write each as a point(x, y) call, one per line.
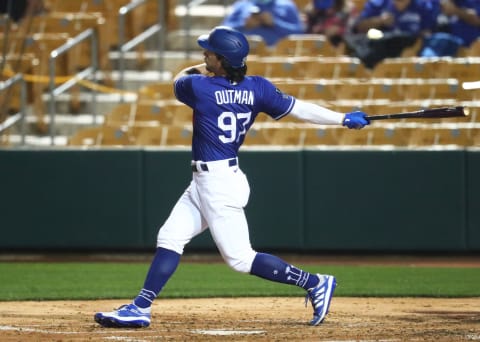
point(301, 200)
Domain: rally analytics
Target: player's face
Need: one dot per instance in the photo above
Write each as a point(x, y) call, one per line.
point(212, 63)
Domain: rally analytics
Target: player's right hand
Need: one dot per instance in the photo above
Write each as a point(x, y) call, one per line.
point(355, 120)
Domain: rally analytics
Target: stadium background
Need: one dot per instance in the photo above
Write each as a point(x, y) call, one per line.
point(86, 182)
point(102, 172)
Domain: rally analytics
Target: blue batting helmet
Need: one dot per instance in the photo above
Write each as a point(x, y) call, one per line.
point(227, 42)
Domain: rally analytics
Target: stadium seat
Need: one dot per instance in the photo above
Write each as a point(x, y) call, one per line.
point(258, 48)
point(155, 91)
point(115, 136)
point(376, 136)
point(474, 49)
point(121, 114)
point(321, 90)
point(416, 67)
point(391, 135)
point(85, 137)
point(273, 67)
point(475, 136)
point(389, 68)
point(362, 137)
point(304, 45)
point(109, 10)
point(177, 135)
point(150, 136)
point(180, 114)
point(152, 114)
point(446, 89)
point(371, 91)
point(474, 113)
point(287, 135)
point(330, 67)
point(71, 24)
point(440, 136)
point(145, 114)
point(317, 136)
point(257, 136)
point(463, 69)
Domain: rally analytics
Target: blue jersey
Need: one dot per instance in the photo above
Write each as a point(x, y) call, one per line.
point(418, 16)
point(286, 17)
point(223, 112)
point(468, 33)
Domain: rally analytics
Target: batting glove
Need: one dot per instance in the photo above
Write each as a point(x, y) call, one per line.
point(355, 120)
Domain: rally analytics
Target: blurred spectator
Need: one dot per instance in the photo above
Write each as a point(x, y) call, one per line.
point(270, 19)
point(458, 24)
point(386, 27)
point(333, 18)
point(18, 9)
point(415, 17)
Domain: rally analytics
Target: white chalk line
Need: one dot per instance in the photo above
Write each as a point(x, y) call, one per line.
point(222, 332)
point(43, 331)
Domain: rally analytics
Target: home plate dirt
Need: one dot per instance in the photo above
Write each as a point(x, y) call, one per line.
point(250, 319)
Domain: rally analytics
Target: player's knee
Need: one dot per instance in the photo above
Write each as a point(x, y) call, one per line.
point(171, 246)
point(243, 262)
point(171, 243)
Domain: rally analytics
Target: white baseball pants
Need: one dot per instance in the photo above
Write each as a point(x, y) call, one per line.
point(214, 199)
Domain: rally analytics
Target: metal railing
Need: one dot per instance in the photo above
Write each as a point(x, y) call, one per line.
point(159, 28)
point(90, 71)
point(20, 116)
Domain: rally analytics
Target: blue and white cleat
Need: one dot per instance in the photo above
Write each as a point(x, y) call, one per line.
point(320, 296)
point(126, 316)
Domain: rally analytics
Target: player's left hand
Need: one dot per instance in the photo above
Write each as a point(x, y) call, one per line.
point(355, 120)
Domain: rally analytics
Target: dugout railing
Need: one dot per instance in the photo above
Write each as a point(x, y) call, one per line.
point(158, 29)
point(88, 73)
point(19, 117)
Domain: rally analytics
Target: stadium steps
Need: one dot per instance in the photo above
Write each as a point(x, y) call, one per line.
point(180, 46)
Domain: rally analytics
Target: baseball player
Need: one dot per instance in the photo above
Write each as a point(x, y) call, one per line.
point(225, 102)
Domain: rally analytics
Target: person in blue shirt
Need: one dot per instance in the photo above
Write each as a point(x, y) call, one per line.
point(458, 25)
point(463, 19)
point(416, 17)
point(225, 103)
point(273, 20)
point(385, 28)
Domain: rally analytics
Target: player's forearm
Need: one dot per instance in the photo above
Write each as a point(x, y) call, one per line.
point(194, 69)
point(316, 114)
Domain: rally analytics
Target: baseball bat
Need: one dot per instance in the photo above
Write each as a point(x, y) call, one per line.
point(429, 113)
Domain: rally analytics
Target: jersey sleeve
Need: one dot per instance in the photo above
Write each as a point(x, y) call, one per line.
point(273, 102)
point(183, 89)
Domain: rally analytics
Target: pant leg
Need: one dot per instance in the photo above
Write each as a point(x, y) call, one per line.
point(223, 195)
point(184, 222)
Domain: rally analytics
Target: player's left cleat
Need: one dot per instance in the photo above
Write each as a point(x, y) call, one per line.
point(320, 296)
point(126, 316)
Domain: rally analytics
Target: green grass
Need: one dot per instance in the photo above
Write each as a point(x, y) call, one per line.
point(54, 281)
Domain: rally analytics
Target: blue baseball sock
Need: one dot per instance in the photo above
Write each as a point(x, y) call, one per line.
point(164, 263)
point(270, 267)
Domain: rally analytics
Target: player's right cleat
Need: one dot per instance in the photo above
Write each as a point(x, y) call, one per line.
point(126, 316)
point(320, 296)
